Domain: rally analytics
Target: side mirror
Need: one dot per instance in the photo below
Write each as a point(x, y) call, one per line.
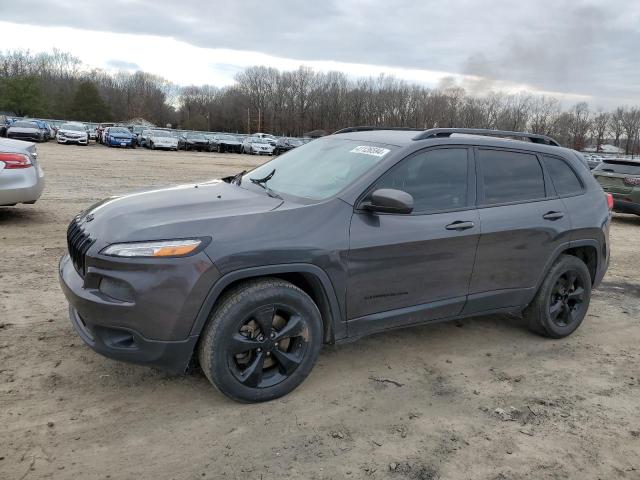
point(388, 200)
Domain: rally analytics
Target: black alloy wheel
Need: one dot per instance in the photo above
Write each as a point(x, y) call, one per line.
point(261, 340)
point(268, 347)
point(567, 299)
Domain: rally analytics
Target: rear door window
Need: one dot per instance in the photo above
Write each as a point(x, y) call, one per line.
point(562, 175)
point(508, 176)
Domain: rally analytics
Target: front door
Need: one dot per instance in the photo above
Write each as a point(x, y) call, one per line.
point(408, 268)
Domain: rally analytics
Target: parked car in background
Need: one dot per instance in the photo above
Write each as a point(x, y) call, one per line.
point(4, 124)
point(621, 178)
point(225, 143)
point(73, 132)
point(257, 146)
point(26, 130)
point(592, 160)
point(268, 137)
point(285, 144)
point(100, 131)
point(143, 137)
point(194, 141)
point(162, 139)
point(119, 137)
point(21, 178)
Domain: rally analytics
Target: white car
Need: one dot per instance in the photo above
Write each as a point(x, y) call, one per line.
point(72, 132)
point(163, 139)
point(257, 146)
point(21, 178)
point(268, 137)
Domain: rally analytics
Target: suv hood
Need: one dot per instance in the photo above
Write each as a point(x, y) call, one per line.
point(175, 212)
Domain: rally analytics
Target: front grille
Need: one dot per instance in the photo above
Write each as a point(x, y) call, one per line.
point(78, 242)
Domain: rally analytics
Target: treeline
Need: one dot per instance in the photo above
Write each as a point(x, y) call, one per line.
point(57, 85)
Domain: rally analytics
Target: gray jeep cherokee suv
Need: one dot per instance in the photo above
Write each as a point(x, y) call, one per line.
point(355, 233)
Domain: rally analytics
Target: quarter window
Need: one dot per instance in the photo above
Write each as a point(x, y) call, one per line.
point(562, 176)
point(437, 179)
point(510, 176)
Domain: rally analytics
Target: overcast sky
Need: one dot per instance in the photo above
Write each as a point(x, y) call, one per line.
point(571, 49)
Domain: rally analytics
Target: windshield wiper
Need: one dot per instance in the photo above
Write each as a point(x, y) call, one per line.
point(263, 183)
point(263, 180)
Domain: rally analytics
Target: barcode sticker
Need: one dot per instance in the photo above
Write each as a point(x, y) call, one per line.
point(374, 151)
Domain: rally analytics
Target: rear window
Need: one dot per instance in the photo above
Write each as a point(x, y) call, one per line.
point(562, 176)
point(619, 166)
point(510, 176)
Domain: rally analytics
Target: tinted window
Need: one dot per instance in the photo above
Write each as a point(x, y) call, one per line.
point(563, 177)
point(510, 176)
point(437, 179)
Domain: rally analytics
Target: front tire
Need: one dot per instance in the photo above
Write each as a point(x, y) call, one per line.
point(562, 301)
point(261, 341)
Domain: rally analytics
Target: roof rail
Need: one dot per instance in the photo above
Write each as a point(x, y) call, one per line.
point(447, 132)
point(367, 129)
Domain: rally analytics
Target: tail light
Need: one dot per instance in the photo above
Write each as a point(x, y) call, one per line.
point(609, 201)
point(632, 181)
point(15, 160)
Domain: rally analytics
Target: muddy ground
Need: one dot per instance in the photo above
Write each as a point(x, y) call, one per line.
point(478, 399)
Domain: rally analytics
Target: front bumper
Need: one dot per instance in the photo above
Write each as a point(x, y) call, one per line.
point(80, 141)
point(153, 326)
point(34, 137)
point(24, 185)
point(119, 142)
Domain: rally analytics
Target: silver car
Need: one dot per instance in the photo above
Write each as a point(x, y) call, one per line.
point(21, 178)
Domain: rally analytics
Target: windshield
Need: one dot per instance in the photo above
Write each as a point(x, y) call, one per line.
point(162, 133)
point(319, 169)
point(227, 137)
point(113, 130)
point(294, 142)
point(619, 166)
point(72, 126)
point(258, 140)
point(25, 124)
point(195, 136)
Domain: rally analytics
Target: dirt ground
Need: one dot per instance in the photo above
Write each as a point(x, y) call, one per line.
point(478, 399)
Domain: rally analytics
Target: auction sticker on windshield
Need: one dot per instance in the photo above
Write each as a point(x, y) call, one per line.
point(368, 150)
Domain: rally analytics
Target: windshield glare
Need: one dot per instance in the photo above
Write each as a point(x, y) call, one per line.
point(118, 130)
point(162, 133)
point(71, 126)
point(320, 169)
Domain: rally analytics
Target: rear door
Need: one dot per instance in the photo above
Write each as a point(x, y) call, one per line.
point(522, 225)
point(421, 260)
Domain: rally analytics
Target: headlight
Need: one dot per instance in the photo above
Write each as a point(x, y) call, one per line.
point(163, 248)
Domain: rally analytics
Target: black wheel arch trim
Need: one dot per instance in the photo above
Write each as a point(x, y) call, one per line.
point(567, 246)
point(337, 327)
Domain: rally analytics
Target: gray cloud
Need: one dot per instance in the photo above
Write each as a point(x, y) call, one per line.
point(581, 47)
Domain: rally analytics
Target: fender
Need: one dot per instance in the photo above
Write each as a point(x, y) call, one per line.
point(562, 248)
point(338, 325)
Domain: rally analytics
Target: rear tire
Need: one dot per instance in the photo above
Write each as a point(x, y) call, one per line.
point(562, 301)
point(261, 341)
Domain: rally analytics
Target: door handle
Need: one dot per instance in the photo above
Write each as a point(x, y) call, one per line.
point(460, 225)
point(553, 215)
